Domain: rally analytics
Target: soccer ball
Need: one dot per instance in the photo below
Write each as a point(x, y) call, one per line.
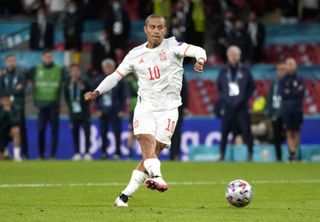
point(239, 193)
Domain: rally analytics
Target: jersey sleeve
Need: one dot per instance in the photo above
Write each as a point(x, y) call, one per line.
point(125, 66)
point(183, 49)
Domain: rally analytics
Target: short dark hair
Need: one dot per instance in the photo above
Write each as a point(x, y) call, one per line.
point(45, 51)
point(10, 55)
point(74, 65)
point(155, 16)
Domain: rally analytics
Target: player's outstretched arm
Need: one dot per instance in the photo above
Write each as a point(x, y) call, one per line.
point(107, 84)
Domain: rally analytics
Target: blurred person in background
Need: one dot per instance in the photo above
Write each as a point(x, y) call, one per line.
point(41, 32)
point(118, 26)
point(9, 127)
point(292, 88)
point(274, 108)
point(239, 37)
point(183, 110)
point(132, 84)
point(79, 112)
point(162, 7)
point(12, 83)
point(31, 6)
point(101, 50)
point(56, 10)
point(256, 32)
point(180, 21)
point(73, 27)
point(198, 23)
point(235, 86)
point(47, 80)
point(222, 31)
point(110, 109)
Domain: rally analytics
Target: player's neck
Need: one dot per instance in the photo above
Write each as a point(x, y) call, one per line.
point(152, 45)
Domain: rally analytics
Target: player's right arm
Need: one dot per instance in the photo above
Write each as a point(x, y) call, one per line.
point(110, 81)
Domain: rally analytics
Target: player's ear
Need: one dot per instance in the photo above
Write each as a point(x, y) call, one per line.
point(145, 29)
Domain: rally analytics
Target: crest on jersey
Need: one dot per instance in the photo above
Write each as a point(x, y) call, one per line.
point(163, 56)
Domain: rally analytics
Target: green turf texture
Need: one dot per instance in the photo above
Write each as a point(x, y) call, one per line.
point(298, 200)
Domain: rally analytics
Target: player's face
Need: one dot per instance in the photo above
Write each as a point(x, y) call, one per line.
point(155, 30)
point(5, 101)
point(11, 62)
point(291, 66)
point(281, 70)
point(108, 69)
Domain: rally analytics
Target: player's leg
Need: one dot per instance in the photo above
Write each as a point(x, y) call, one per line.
point(144, 129)
point(16, 140)
point(75, 130)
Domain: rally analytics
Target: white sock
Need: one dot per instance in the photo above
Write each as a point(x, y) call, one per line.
point(16, 153)
point(153, 166)
point(136, 180)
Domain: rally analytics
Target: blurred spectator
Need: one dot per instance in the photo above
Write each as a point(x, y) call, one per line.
point(292, 87)
point(117, 25)
point(41, 32)
point(110, 109)
point(145, 8)
point(198, 19)
point(101, 50)
point(32, 6)
point(47, 80)
point(10, 7)
point(289, 12)
point(79, 113)
point(72, 28)
point(12, 83)
point(179, 21)
point(310, 9)
point(274, 108)
point(256, 32)
point(221, 34)
point(163, 7)
point(132, 83)
point(56, 10)
point(241, 38)
point(175, 148)
point(9, 127)
point(235, 86)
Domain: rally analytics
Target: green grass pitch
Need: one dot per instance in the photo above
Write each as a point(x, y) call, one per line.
point(85, 191)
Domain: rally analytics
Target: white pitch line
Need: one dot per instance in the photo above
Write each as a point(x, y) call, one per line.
point(190, 183)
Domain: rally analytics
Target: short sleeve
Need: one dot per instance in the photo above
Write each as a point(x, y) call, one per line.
point(125, 66)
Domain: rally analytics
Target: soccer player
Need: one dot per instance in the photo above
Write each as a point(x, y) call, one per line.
point(159, 66)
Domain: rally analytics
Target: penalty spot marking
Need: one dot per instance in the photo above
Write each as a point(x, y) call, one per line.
point(191, 183)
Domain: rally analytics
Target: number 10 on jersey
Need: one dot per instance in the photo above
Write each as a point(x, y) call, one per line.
point(154, 73)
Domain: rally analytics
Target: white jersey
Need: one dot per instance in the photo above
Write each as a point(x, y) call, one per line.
point(159, 72)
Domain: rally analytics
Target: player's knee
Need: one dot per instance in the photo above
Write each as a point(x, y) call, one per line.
point(160, 147)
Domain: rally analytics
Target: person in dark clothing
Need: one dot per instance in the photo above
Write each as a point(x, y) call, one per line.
point(273, 110)
point(292, 88)
point(41, 32)
point(13, 82)
point(117, 24)
point(101, 50)
point(241, 38)
point(222, 31)
point(47, 80)
point(256, 31)
point(111, 107)
point(79, 112)
point(235, 86)
point(183, 109)
point(73, 27)
point(9, 127)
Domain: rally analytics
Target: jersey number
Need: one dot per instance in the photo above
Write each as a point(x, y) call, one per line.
point(170, 126)
point(155, 73)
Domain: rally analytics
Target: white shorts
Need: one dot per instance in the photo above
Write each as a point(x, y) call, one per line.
point(160, 124)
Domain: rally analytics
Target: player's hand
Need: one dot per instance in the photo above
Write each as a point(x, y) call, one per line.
point(198, 67)
point(91, 96)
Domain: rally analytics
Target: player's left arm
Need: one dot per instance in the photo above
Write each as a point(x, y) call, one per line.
point(188, 50)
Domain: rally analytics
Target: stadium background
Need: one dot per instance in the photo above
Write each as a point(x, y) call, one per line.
point(300, 40)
